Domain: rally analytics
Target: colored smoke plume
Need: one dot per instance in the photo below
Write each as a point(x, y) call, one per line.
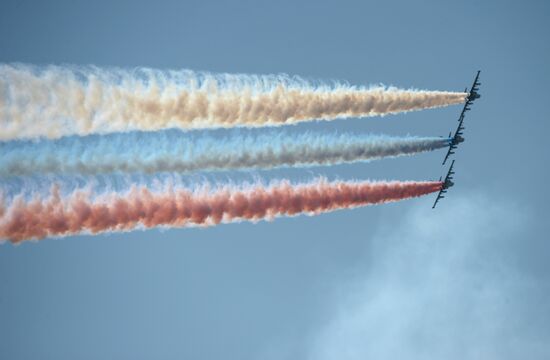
point(174, 151)
point(82, 212)
point(56, 101)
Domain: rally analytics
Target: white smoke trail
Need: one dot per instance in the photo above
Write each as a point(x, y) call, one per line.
point(174, 151)
point(56, 101)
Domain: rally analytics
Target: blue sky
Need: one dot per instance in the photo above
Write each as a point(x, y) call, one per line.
point(469, 280)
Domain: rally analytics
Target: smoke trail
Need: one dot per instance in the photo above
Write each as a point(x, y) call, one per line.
point(174, 151)
point(80, 211)
point(57, 101)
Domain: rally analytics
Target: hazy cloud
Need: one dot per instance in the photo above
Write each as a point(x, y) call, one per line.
point(444, 284)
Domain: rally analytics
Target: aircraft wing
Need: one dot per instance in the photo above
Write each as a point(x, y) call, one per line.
point(439, 196)
point(464, 109)
point(475, 85)
point(450, 174)
point(449, 153)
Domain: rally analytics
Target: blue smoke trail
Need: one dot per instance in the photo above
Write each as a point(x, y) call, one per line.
point(186, 152)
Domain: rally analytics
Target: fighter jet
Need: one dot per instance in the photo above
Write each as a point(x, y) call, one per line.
point(447, 183)
point(455, 140)
point(472, 96)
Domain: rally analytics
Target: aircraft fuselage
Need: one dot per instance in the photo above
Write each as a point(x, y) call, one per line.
point(473, 95)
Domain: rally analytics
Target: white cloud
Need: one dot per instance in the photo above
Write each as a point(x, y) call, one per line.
point(442, 284)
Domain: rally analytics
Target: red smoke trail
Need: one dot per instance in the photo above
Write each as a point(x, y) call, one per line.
point(76, 213)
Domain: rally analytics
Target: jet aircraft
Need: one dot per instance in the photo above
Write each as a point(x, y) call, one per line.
point(447, 183)
point(472, 96)
point(455, 140)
